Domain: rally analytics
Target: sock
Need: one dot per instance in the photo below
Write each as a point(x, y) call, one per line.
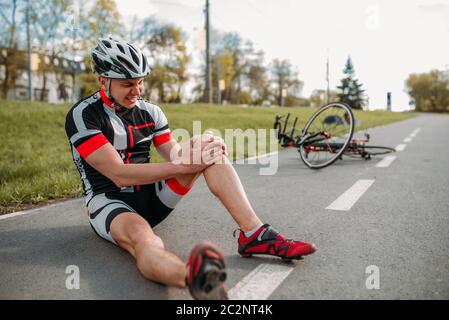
point(253, 231)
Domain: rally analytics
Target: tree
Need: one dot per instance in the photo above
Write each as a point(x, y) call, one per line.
point(319, 97)
point(294, 101)
point(351, 91)
point(238, 63)
point(247, 79)
point(165, 45)
point(232, 44)
point(256, 75)
point(12, 60)
point(89, 84)
point(285, 78)
point(103, 20)
point(169, 51)
point(429, 90)
point(222, 69)
point(259, 86)
point(48, 25)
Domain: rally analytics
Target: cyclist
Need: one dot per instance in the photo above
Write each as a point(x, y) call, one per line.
point(110, 133)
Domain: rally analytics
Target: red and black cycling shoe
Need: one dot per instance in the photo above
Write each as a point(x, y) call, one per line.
point(268, 240)
point(206, 273)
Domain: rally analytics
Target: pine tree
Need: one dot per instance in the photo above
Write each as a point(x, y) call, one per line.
point(351, 91)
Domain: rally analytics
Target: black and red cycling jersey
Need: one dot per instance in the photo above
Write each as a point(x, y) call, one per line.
point(95, 121)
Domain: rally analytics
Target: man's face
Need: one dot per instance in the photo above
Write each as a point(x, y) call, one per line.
point(125, 91)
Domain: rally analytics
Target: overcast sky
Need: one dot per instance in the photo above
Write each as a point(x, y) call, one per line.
point(387, 39)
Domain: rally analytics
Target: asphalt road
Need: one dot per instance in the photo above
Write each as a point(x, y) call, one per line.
point(400, 225)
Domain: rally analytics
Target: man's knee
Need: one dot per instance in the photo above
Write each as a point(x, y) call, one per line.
point(130, 230)
point(142, 235)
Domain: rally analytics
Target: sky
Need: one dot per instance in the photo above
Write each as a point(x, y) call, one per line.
point(386, 39)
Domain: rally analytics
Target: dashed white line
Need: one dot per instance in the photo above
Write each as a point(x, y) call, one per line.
point(351, 196)
point(400, 147)
point(260, 283)
point(260, 156)
point(386, 162)
point(412, 135)
point(415, 132)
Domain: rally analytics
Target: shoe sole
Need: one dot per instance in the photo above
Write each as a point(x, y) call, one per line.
point(287, 259)
point(215, 276)
point(249, 255)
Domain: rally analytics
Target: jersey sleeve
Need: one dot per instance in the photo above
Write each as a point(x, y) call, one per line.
point(83, 128)
point(161, 130)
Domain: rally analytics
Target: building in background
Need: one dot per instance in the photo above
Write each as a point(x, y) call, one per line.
point(54, 79)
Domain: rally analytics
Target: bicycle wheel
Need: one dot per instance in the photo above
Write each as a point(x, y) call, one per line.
point(377, 150)
point(330, 130)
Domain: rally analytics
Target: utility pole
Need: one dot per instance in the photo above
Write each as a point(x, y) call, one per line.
point(30, 89)
point(208, 89)
point(327, 78)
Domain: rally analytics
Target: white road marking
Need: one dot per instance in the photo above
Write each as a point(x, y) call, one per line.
point(260, 283)
point(385, 163)
point(261, 156)
point(44, 207)
point(412, 135)
point(400, 147)
point(350, 196)
point(415, 132)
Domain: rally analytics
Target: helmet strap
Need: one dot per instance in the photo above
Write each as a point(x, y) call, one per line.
point(107, 91)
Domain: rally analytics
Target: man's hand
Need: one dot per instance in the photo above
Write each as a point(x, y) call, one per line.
point(206, 139)
point(200, 152)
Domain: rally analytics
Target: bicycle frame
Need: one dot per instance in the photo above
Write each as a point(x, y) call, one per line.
point(355, 147)
point(289, 140)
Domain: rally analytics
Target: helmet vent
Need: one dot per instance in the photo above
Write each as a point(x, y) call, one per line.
point(97, 61)
point(107, 44)
point(120, 47)
point(127, 64)
point(135, 57)
point(108, 65)
point(144, 63)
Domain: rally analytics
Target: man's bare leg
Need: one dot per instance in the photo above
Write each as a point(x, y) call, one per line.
point(225, 184)
point(134, 234)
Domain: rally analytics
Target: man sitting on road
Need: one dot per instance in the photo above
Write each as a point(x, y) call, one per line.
point(110, 133)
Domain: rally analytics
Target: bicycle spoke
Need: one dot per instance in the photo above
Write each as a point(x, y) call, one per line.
point(336, 120)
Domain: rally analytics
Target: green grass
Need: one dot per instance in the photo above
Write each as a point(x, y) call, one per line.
point(35, 160)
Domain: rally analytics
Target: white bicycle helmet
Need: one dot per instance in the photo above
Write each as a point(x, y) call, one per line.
point(113, 58)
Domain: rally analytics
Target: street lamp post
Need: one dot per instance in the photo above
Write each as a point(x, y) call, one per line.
point(208, 87)
point(283, 96)
point(30, 83)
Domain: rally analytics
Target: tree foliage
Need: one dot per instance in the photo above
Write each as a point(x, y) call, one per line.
point(319, 97)
point(69, 29)
point(284, 78)
point(10, 23)
point(430, 91)
point(350, 90)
